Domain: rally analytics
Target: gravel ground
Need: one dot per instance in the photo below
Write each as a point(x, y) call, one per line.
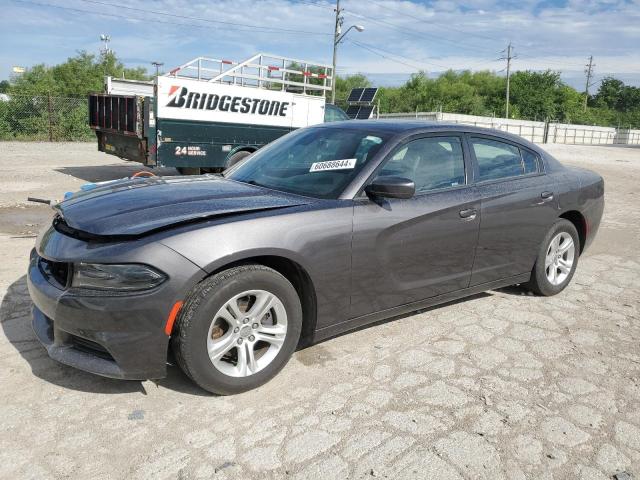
point(500, 385)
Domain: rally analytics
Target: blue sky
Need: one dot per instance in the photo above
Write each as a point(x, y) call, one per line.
point(400, 36)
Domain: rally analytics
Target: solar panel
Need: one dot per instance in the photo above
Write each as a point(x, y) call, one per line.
point(364, 113)
point(355, 95)
point(352, 111)
point(368, 94)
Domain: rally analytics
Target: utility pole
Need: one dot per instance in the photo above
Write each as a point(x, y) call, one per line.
point(508, 58)
point(336, 36)
point(589, 72)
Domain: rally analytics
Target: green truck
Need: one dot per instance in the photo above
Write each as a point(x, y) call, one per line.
point(208, 114)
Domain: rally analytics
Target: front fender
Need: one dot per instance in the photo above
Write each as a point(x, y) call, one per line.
point(319, 241)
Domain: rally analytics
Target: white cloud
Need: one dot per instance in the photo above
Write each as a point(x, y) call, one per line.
point(431, 35)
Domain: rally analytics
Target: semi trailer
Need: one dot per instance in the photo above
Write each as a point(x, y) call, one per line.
point(208, 114)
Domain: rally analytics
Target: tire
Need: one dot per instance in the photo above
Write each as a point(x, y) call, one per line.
point(540, 282)
point(204, 324)
point(189, 170)
point(237, 157)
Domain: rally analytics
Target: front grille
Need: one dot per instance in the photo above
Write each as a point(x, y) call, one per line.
point(90, 347)
point(56, 273)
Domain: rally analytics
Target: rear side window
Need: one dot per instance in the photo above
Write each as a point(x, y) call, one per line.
point(498, 160)
point(334, 114)
point(529, 161)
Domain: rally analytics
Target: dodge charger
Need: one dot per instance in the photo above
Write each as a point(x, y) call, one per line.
point(325, 230)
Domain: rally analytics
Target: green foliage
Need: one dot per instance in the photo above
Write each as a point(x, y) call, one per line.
point(344, 85)
point(476, 93)
point(615, 95)
point(77, 77)
point(41, 118)
point(533, 96)
point(51, 102)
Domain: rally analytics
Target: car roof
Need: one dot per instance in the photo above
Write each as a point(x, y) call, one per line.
point(410, 126)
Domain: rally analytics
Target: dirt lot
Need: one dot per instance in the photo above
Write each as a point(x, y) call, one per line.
point(500, 385)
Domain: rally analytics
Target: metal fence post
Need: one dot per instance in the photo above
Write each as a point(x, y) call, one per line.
point(50, 117)
point(545, 131)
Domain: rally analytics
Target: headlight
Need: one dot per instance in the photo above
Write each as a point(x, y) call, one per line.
point(126, 277)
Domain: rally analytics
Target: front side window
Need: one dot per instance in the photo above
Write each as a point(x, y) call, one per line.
point(432, 163)
point(316, 162)
point(498, 160)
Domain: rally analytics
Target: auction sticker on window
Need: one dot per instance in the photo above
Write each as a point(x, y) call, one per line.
point(344, 164)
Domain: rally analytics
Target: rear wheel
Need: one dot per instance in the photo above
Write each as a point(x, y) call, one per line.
point(557, 259)
point(238, 329)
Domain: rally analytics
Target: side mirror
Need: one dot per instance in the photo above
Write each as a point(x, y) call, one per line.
point(391, 187)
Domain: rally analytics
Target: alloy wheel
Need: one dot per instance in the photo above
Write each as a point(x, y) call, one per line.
point(559, 258)
point(247, 333)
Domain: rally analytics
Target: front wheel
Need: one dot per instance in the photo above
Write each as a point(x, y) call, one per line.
point(557, 259)
point(238, 329)
point(237, 158)
point(189, 170)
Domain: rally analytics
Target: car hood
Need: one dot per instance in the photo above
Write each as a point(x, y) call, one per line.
point(132, 207)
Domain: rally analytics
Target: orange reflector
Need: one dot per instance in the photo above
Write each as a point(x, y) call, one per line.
point(172, 317)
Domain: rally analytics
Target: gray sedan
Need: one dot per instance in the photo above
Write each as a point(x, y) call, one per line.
point(327, 229)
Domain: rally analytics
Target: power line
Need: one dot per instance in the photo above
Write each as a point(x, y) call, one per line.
point(436, 25)
point(421, 60)
point(553, 62)
point(396, 27)
point(416, 33)
point(371, 49)
point(246, 27)
point(207, 20)
point(449, 27)
point(364, 45)
point(314, 4)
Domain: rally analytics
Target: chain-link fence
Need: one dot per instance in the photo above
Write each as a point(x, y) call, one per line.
point(44, 118)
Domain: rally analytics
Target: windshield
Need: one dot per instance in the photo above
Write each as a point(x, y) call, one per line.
point(315, 162)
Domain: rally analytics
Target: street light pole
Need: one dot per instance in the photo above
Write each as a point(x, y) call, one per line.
point(337, 40)
point(336, 36)
point(157, 65)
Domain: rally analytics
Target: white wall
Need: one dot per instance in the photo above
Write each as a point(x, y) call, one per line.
point(534, 131)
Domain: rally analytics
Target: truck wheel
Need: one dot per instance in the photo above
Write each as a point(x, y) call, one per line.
point(237, 329)
point(557, 259)
point(188, 170)
point(236, 157)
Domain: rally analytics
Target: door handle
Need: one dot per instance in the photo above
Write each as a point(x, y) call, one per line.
point(545, 197)
point(468, 214)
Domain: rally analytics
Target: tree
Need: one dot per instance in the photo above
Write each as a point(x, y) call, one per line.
point(535, 94)
point(76, 77)
point(344, 85)
point(34, 110)
point(4, 86)
point(609, 93)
